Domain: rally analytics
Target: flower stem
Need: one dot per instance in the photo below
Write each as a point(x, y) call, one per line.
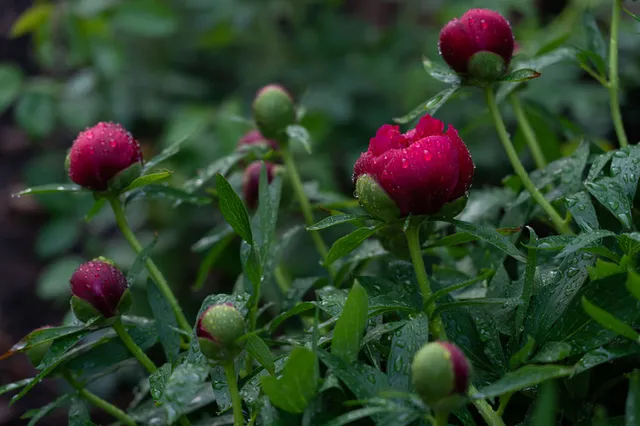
point(133, 347)
point(232, 384)
point(96, 401)
point(155, 273)
point(614, 79)
point(304, 204)
point(441, 417)
point(557, 221)
point(529, 133)
point(504, 401)
point(412, 234)
point(490, 417)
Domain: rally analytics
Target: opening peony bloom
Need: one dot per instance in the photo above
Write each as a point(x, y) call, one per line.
point(218, 329)
point(440, 370)
point(251, 182)
point(273, 110)
point(101, 152)
point(417, 172)
point(99, 288)
point(479, 44)
point(254, 137)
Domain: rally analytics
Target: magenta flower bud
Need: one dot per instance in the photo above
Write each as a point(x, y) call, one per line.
point(420, 172)
point(100, 153)
point(254, 137)
point(218, 330)
point(98, 288)
point(273, 111)
point(480, 44)
point(251, 182)
point(440, 370)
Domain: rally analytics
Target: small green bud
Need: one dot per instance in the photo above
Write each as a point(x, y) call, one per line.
point(273, 110)
point(486, 66)
point(375, 200)
point(218, 330)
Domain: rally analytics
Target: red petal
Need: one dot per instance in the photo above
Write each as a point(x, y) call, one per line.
point(466, 166)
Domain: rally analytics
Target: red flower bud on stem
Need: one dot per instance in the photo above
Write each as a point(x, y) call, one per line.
point(218, 330)
point(251, 182)
point(254, 137)
point(99, 288)
point(417, 172)
point(480, 44)
point(101, 152)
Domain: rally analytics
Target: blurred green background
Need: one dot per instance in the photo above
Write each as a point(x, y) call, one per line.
point(167, 69)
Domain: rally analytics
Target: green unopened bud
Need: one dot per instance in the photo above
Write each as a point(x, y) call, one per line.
point(440, 370)
point(375, 200)
point(486, 66)
point(273, 111)
point(218, 330)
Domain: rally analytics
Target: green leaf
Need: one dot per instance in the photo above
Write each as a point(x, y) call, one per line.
point(633, 283)
point(268, 206)
point(298, 384)
point(609, 321)
point(584, 240)
point(595, 41)
point(490, 236)
point(35, 112)
point(10, 85)
point(169, 151)
point(59, 348)
point(181, 388)
point(582, 210)
point(210, 259)
point(350, 242)
point(430, 106)
point(375, 333)
point(440, 72)
point(363, 380)
point(336, 219)
point(220, 166)
point(520, 75)
point(158, 381)
point(79, 413)
point(166, 322)
point(165, 192)
point(213, 238)
point(233, 210)
point(625, 168)
point(405, 344)
point(96, 208)
point(32, 19)
point(298, 309)
point(527, 376)
point(613, 197)
point(258, 349)
point(145, 18)
point(606, 354)
point(140, 261)
point(15, 385)
point(349, 329)
point(38, 414)
point(451, 288)
point(630, 243)
point(50, 188)
point(632, 407)
point(529, 282)
point(544, 413)
point(148, 179)
point(359, 414)
point(299, 134)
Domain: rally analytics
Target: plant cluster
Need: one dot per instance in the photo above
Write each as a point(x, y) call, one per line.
point(425, 310)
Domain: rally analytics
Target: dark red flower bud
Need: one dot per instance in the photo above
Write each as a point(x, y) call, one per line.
point(101, 152)
point(480, 43)
point(254, 137)
point(440, 370)
point(273, 110)
point(251, 182)
point(218, 330)
point(98, 288)
point(420, 171)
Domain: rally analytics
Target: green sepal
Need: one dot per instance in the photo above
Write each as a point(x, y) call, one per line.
point(125, 302)
point(375, 200)
point(452, 208)
point(83, 310)
point(124, 178)
point(486, 67)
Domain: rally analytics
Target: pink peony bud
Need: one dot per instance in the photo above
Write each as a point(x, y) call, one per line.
point(218, 330)
point(417, 172)
point(253, 137)
point(251, 182)
point(98, 288)
point(101, 152)
point(480, 43)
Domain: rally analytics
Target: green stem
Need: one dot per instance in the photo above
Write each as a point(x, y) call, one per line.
point(236, 402)
point(96, 401)
point(504, 401)
point(614, 80)
point(304, 204)
point(155, 273)
point(490, 417)
point(133, 347)
point(557, 221)
point(529, 133)
point(441, 418)
point(412, 234)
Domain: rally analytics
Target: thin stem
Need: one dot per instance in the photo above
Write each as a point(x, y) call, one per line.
point(236, 402)
point(155, 273)
point(614, 79)
point(557, 221)
point(504, 401)
point(490, 417)
point(441, 418)
point(304, 204)
point(413, 241)
point(96, 401)
point(529, 133)
point(133, 347)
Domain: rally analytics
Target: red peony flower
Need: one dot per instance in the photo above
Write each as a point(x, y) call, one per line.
point(255, 137)
point(101, 152)
point(420, 170)
point(479, 30)
point(101, 285)
point(251, 182)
